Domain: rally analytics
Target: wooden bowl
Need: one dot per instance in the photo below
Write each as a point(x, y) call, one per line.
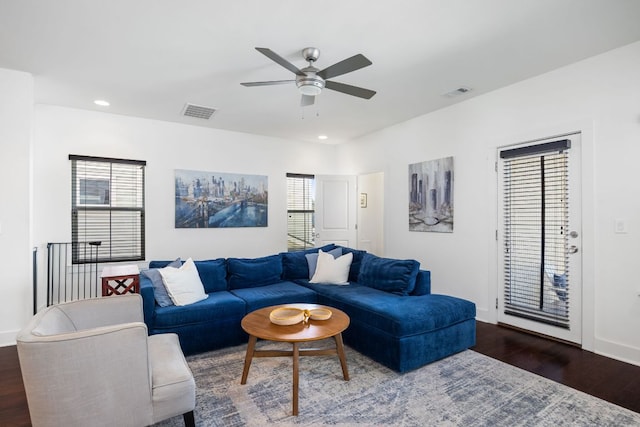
point(320, 313)
point(286, 316)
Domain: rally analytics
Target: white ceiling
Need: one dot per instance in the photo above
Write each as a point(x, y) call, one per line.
point(150, 57)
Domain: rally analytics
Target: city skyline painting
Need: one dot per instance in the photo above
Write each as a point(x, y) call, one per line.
point(220, 200)
point(431, 196)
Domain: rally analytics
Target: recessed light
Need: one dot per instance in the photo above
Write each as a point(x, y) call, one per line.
point(323, 137)
point(101, 102)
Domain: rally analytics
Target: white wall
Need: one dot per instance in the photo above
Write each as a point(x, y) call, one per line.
point(166, 147)
point(16, 112)
point(600, 97)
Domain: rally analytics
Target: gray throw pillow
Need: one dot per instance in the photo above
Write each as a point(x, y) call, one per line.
point(159, 291)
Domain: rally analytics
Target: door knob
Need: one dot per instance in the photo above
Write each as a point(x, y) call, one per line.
point(573, 249)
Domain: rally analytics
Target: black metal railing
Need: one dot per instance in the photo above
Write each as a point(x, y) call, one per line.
point(67, 281)
point(34, 262)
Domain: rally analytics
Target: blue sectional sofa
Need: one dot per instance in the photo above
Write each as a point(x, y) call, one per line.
point(395, 319)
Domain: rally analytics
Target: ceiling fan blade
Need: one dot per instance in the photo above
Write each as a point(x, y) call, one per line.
point(346, 66)
point(268, 83)
point(307, 100)
point(280, 60)
point(349, 90)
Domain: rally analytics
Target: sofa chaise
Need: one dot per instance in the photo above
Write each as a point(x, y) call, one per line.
point(395, 319)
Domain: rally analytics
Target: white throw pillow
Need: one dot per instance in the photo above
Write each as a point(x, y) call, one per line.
point(330, 270)
point(183, 284)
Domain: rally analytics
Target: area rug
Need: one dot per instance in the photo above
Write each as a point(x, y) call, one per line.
point(466, 389)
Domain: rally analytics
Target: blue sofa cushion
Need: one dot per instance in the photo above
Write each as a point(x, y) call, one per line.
point(278, 293)
point(162, 264)
point(423, 283)
point(253, 272)
point(354, 270)
point(294, 264)
point(390, 275)
point(213, 274)
point(216, 308)
point(159, 290)
point(399, 316)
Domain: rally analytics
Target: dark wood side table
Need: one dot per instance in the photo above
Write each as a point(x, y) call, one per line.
point(120, 280)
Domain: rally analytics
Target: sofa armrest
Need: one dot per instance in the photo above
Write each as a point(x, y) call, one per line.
point(148, 301)
point(423, 283)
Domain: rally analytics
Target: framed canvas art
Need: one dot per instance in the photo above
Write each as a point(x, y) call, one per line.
point(431, 196)
point(220, 200)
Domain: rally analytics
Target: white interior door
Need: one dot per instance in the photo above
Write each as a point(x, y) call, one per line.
point(540, 234)
point(335, 216)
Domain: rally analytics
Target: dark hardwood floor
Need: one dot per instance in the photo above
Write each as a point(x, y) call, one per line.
point(608, 379)
point(600, 376)
point(13, 401)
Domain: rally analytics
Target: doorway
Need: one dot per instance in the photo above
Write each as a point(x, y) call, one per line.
point(371, 213)
point(335, 214)
point(540, 234)
point(350, 211)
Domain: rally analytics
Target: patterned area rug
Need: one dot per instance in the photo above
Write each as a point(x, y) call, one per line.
point(466, 389)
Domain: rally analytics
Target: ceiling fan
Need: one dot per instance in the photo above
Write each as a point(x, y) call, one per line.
point(310, 80)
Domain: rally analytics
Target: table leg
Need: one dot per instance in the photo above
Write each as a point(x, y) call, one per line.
point(248, 358)
point(296, 354)
point(343, 358)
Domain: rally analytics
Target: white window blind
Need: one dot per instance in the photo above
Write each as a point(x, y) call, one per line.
point(107, 208)
point(536, 211)
point(300, 211)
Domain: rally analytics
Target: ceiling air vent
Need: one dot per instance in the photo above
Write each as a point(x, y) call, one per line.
point(198, 111)
point(457, 92)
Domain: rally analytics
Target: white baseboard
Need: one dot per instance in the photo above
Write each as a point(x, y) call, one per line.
point(483, 315)
point(617, 351)
point(8, 338)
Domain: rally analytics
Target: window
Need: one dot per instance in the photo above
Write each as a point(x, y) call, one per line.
point(107, 209)
point(300, 211)
point(536, 210)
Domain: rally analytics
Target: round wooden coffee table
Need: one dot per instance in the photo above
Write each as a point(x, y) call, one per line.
point(258, 325)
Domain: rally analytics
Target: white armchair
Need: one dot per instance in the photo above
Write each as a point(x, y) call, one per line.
point(91, 363)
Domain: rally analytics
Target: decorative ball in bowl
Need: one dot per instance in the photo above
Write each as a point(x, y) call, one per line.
point(320, 313)
point(286, 316)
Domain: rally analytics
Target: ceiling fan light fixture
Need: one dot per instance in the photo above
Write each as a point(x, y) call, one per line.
point(310, 85)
